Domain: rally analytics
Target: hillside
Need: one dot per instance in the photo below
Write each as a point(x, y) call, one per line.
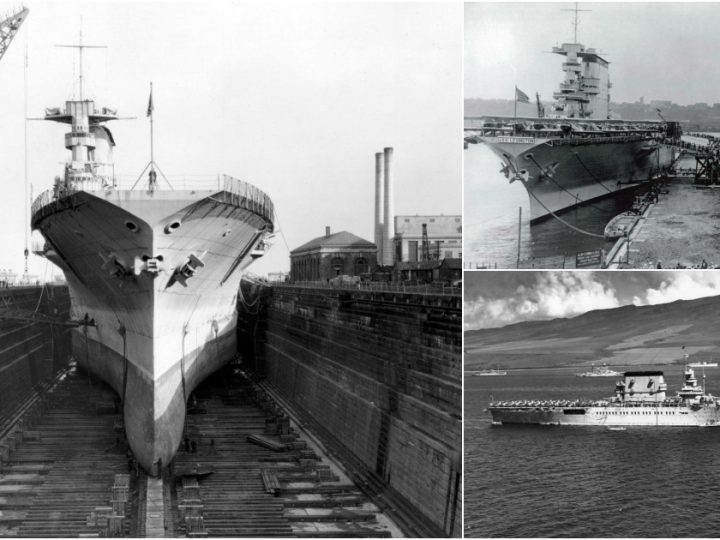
point(625, 336)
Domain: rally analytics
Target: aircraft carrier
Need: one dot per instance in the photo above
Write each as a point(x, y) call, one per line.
point(640, 400)
point(575, 153)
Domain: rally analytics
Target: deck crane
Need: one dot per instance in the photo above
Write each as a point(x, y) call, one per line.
point(9, 27)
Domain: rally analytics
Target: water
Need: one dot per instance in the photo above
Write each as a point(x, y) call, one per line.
point(541, 481)
point(491, 218)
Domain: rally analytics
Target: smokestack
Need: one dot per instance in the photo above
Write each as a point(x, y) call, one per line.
point(379, 229)
point(389, 218)
point(327, 230)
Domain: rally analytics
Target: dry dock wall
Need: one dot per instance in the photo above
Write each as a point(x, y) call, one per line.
point(31, 352)
point(377, 376)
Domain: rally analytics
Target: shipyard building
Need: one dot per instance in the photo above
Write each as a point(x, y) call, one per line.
point(331, 255)
point(420, 238)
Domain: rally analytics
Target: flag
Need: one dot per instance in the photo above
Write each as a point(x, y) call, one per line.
point(150, 104)
point(521, 96)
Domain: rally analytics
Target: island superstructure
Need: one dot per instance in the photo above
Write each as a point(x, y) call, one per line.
point(153, 276)
point(640, 400)
point(575, 153)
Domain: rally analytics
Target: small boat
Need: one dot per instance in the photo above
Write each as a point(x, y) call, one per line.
point(602, 371)
point(702, 364)
point(489, 372)
point(618, 428)
point(620, 225)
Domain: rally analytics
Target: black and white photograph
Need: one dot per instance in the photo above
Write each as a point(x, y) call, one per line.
point(591, 403)
point(591, 139)
point(231, 269)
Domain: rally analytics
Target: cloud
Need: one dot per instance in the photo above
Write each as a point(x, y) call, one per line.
point(682, 286)
point(555, 294)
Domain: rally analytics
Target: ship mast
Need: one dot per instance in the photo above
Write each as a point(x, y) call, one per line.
point(575, 21)
point(80, 48)
point(84, 136)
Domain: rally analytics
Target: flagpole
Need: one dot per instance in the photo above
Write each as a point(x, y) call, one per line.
point(151, 108)
point(515, 113)
point(152, 175)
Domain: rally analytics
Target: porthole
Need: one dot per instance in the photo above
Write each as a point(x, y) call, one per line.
point(172, 226)
point(132, 226)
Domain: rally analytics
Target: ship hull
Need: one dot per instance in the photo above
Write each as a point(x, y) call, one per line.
point(562, 174)
point(154, 437)
point(705, 416)
point(149, 331)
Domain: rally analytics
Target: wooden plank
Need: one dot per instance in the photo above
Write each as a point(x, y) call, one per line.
point(267, 443)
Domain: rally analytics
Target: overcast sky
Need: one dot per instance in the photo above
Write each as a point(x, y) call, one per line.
point(494, 299)
point(293, 97)
point(656, 50)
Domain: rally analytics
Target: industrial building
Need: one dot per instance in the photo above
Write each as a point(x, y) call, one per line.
point(401, 243)
point(428, 238)
point(337, 254)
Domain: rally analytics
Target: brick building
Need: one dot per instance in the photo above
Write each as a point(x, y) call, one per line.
point(337, 254)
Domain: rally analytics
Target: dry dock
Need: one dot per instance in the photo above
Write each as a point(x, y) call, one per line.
point(244, 471)
point(680, 230)
point(342, 421)
point(376, 375)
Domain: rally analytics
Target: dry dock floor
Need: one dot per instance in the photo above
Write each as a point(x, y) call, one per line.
point(242, 470)
point(683, 228)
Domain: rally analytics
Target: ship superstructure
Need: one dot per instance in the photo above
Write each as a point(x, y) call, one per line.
point(577, 153)
point(602, 371)
point(153, 275)
point(640, 400)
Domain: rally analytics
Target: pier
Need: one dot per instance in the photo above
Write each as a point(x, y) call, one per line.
point(680, 230)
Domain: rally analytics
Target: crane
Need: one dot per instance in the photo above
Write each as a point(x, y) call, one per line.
point(9, 27)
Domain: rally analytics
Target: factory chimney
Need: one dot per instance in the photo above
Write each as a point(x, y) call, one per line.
point(379, 229)
point(388, 218)
point(327, 230)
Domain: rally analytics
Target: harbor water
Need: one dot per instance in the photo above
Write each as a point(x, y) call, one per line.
point(546, 481)
point(491, 218)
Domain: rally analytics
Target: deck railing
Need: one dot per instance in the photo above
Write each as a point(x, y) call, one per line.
point(229, 189)
point(376, 286)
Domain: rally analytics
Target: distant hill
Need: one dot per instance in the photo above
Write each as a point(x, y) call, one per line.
point(696, 117)
point(623, 336)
